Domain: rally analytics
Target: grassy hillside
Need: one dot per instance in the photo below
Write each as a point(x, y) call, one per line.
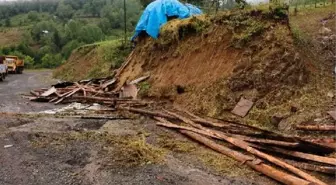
point(92, 61)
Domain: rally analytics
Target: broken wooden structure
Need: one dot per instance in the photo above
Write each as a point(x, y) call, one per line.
point(90, 91)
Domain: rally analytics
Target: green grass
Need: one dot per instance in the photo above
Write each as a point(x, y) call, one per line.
point(97, 60)
point(23, 20)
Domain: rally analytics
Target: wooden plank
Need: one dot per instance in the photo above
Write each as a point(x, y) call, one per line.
point(315, 127)
point(301, 155)
point(108, 83)
point(49, 92)
point(268, 141)
point(243, 107)
point(252, 162)
point(312, 167)
point(244, 145)
point(138, 80)
point(34, 93)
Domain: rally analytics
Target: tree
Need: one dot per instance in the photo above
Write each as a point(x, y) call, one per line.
point(90, 34)
point(115, 13)
point(64, 11)
point(51, 61)
point(75, 4)
point(105, 25)
point(33, 15)
point(57, 39)
point(43, 29)
point(6, 50)
point(94, 7)
point(196, 2)
point(25, 49)
point(144, 3)
point(69, 47)
point(72, 29)
point(7, 22)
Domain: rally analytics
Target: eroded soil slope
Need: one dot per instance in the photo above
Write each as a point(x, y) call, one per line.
point(206, 64)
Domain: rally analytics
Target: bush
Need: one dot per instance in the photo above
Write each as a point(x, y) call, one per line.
point(90, 33)
point(105, 25)
point(51, 61)
point(29, 62)
point(33, 16)
point(69, 47)
point(7, 22)
point(6, 50)
point(113, 53)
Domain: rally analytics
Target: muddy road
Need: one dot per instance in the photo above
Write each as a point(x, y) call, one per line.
point(46, 149)
point(15, 85)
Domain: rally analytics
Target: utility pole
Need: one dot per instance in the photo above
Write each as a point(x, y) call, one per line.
point(125, 23)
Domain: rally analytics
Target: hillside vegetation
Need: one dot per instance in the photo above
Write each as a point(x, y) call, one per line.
point(94, 60)
point(45, 33)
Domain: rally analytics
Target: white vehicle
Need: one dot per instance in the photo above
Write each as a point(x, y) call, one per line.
point(3, 72)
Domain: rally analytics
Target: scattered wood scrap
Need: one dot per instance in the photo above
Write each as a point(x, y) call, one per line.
point(253, 162)
point(284, 157)
point(277, 156)
point(88, 91)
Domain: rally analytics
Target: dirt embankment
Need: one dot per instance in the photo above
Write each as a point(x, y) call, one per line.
point(205, 64)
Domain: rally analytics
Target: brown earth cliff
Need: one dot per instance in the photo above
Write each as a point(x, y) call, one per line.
point(205, 64)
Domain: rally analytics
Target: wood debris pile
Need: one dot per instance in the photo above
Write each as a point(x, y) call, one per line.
point(283, 158)
point(90, 91)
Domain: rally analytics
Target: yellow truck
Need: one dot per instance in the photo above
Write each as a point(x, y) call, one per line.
point(14, 64)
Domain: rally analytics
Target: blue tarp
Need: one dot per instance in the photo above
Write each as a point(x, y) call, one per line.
point(194, 10)
point(156, 14)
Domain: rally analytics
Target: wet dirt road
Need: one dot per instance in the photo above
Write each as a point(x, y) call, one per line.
point(15, 85)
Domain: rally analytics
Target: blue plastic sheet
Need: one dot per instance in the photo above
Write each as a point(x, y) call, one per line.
point(156, 14)
point(194, 10)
